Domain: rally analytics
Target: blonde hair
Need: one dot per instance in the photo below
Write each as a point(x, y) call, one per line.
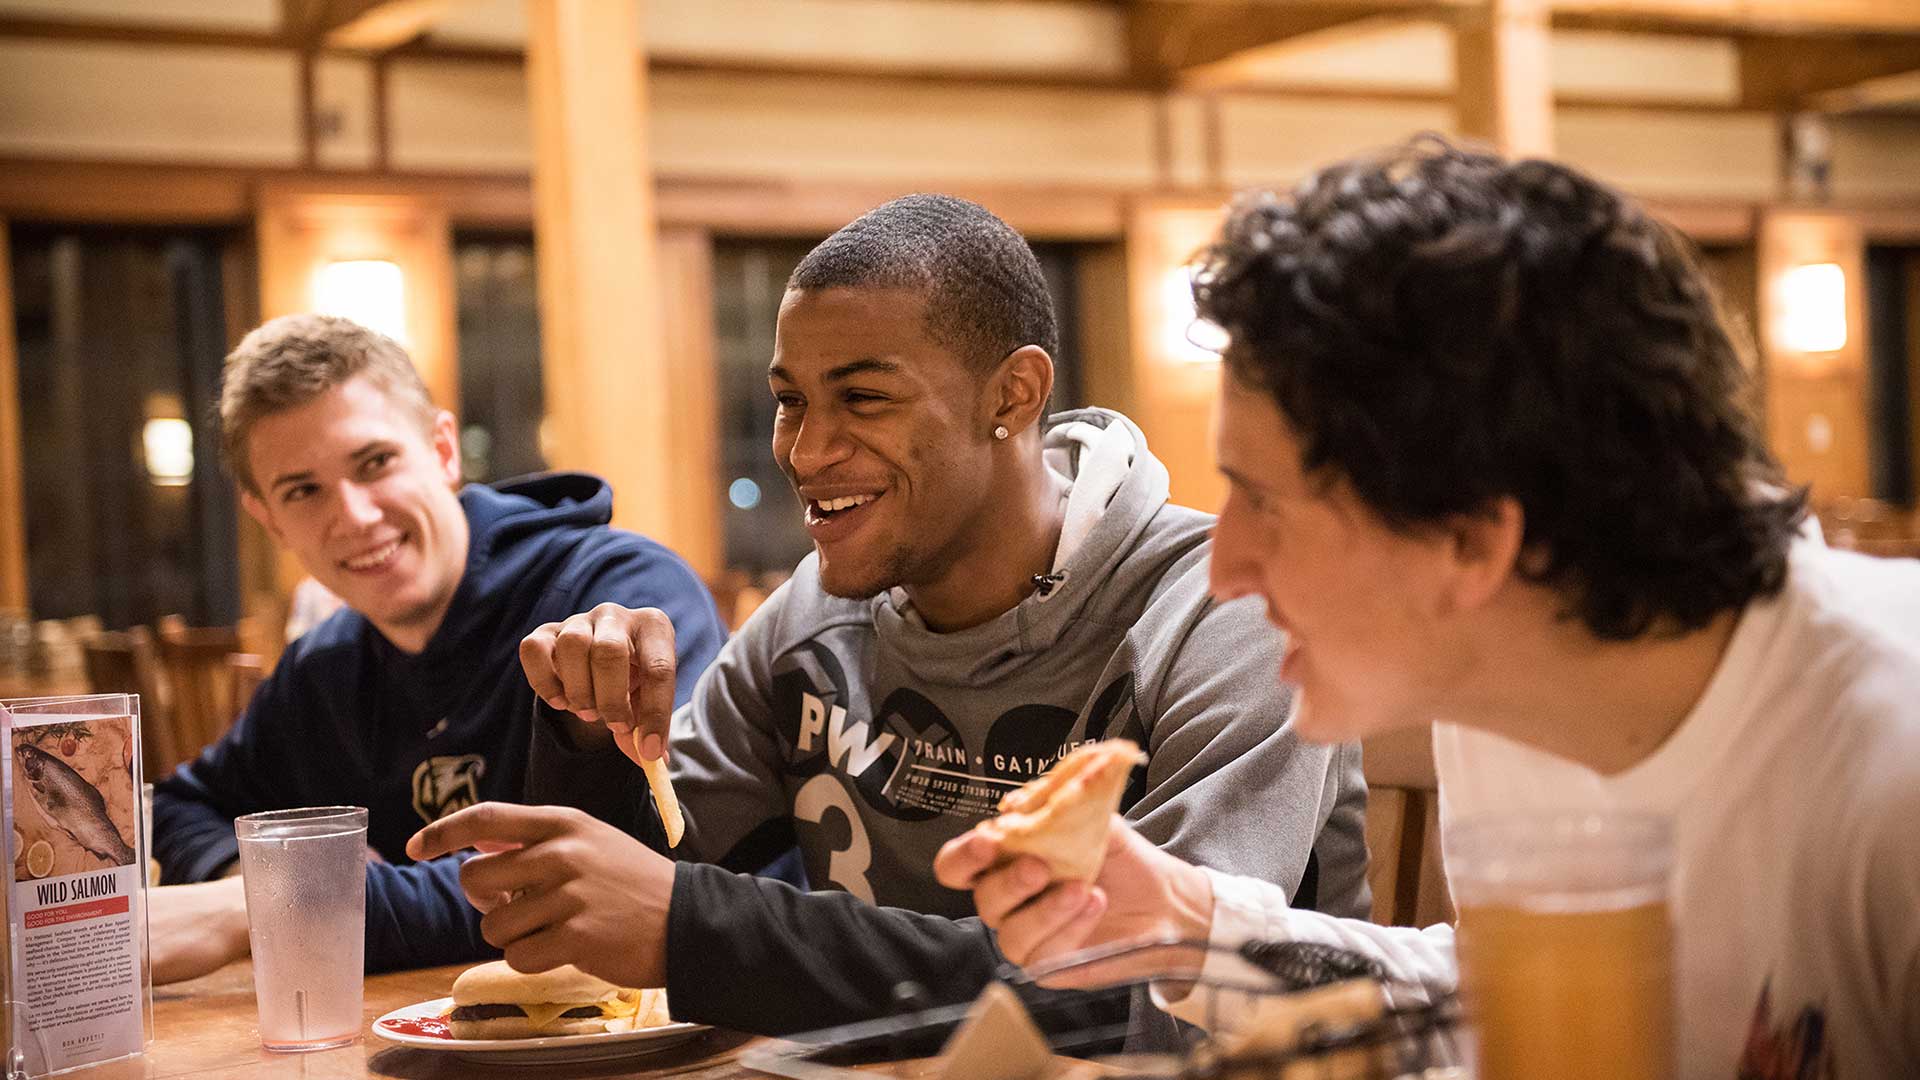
point(289, 361)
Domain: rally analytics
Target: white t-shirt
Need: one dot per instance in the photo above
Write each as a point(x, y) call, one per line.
point(1794, 789)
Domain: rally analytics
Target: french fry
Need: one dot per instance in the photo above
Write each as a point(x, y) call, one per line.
point(663, 798)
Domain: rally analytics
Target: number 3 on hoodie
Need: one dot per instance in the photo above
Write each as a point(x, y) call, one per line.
point(847, 867)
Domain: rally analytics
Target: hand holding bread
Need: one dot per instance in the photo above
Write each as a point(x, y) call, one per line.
point(1059, 871)
point(1061, 818)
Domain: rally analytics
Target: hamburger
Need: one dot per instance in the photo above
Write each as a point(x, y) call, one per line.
point(1061, 817)
point(493, 1001)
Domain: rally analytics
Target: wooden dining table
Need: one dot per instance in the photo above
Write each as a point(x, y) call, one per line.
point(206, 1029)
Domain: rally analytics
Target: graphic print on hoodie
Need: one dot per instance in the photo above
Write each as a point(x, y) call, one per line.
point(850, 728)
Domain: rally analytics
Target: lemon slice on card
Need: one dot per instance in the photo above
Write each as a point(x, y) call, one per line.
point(40, 859)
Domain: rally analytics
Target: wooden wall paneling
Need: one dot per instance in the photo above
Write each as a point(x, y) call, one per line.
point(596, 244)
point(178, 193)
point(1707, 221)
point(804, 208)
point(1817, 404)
point(13, 511)
point(1172, 394)
point(692, 391)
point(120, 192)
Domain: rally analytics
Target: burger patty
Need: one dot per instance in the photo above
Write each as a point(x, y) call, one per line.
point(495, 1012)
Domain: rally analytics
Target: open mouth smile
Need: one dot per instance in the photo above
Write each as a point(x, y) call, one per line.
point(375, 560)
point(831, 519)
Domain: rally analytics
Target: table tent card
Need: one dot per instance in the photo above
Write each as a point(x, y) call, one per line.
point(75, 987)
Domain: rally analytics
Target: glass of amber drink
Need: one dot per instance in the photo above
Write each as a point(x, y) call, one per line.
point(1565, 945)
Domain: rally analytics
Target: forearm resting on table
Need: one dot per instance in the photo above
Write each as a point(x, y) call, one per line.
point(196, 929)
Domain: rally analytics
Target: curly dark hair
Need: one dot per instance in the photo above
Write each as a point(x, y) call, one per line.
point(1442, 328)
point(985, 293)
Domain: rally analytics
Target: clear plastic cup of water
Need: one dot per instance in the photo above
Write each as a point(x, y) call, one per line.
point(306, 873)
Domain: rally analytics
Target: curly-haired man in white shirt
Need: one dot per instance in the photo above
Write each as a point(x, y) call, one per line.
point(1493, 468)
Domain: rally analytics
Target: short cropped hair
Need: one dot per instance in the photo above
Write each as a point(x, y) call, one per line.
point(289, 361)
point(1443, 328)
point(985, 293)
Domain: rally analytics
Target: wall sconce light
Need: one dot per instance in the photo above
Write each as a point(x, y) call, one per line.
point(371, 292)
point(1811, 307)
point(1185, 338)
point(167, 442)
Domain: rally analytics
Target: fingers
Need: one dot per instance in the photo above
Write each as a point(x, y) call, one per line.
point(1056, 922)
point(610, 659)
point(573, 663)
point(536, 660)
point(964, 858)
point(614, 665)
point(1000, 891)
point(488, 823)
point(526, 915)
point(650, 641)
point(541, 951)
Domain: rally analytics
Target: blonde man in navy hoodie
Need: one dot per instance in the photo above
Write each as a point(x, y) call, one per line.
point(410, 700)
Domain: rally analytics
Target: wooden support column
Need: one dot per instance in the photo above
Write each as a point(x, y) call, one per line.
point(693, 392)
point(1503, 88)
point(607, 376)
point(1817, 402)
point(13, 508)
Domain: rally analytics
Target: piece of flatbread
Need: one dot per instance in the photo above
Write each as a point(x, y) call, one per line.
point(1061, 817)
point(661, 785)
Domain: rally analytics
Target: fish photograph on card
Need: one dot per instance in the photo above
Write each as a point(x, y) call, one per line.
point(72, 805)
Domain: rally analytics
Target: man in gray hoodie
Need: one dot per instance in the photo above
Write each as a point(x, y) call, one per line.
point(990, 587)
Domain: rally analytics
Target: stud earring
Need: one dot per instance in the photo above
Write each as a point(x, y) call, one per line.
point(1000, 431)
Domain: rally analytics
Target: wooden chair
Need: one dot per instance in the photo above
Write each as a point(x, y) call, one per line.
point(125, 662)
point(193, 662)
point(1403, 830)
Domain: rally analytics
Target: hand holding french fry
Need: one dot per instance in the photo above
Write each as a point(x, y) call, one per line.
point(615, 666)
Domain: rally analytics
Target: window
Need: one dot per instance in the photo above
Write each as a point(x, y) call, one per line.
point(1893, 353)
point(121, 333)
point(501, 396)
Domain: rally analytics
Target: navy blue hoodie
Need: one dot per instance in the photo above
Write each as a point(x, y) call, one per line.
point(348, 719)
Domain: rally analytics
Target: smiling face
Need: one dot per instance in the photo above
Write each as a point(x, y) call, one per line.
point(1363, 606)
point(884, 436)
point(366, 500)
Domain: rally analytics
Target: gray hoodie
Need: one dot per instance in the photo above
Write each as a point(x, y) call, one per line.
point(849, 728)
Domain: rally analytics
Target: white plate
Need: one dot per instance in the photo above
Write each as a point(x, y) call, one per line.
point(546, 1050)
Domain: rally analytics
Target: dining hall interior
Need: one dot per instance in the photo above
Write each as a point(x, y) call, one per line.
point(579, 218)
point(172, 174)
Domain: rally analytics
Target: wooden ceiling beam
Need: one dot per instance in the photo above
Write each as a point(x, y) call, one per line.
point(1172, 40)
point(1900, 91)
point(1741, 17)
point(360, 25)
point(1791, 71)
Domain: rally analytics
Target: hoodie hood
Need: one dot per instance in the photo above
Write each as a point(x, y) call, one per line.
point(1117, 488)
point(563, 508)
